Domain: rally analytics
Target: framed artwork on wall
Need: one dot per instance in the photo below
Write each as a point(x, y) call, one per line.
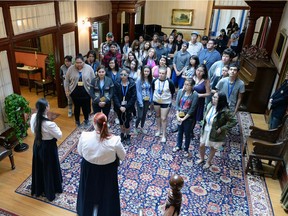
point(280, 43)
point(181, 17)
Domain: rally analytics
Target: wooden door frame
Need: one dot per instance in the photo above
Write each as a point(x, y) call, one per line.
point(104, 18)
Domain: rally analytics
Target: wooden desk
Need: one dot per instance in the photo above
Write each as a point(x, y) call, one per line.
point(30, 70)
point(44, 86)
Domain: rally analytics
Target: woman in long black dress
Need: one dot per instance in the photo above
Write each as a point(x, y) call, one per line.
point(98, 188)
point(46, 172)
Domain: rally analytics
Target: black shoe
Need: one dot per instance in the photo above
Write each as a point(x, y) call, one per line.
point(86, 123)
point(128, 141)
point(78, 123)
point(174, 130)
point(122, 137)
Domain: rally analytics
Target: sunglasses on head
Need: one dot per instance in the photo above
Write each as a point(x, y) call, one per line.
point(123, 74)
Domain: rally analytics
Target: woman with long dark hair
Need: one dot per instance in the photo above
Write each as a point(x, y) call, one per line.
point(98, 188)
point(101, 92)
point(144, 97)
point(186, 104)
point(91, 60)
point(46, 171)
point(217, 122)
point(113, 71)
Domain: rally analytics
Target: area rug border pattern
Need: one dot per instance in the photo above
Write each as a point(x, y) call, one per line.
point(252, 197)
point(249, 179)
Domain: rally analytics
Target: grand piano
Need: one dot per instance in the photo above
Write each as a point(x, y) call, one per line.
point(258, 76)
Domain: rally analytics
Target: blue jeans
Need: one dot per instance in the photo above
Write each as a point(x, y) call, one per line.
point(177, 80)
point(185, 128)
point(274, 122)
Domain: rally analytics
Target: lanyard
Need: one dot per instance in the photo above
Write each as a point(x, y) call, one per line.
point(211, 114)
point(183, 101)
point(113, 76)
point(147, 86)
point(80, 76)
point(102, 87)
point(160, 91)
point(124, 91)
point(230, 90)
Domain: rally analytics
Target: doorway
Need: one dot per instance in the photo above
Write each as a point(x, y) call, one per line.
point(98, 31)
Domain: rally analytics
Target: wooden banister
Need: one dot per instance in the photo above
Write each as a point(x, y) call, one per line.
point(174, 200)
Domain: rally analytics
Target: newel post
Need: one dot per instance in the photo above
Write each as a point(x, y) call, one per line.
point(174, 200)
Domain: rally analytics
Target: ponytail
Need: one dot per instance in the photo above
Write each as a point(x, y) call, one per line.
point(100, 120)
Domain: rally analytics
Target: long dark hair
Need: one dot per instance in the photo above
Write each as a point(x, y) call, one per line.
point(150, 78)
point(222, 102)
point(116, 64)
point(100, 119)
point(41, 106)
point(205, 75)
point(197, 62)
point(99, 68)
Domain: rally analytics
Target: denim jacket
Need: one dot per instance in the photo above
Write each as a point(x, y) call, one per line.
point(225, 120)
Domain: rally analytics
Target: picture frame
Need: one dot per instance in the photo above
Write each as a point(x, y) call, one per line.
point(182, 17)
point(280, 44)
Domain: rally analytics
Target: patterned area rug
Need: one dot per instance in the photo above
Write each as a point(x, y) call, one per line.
point(6, 213)
point(51, 115)
point(144, 176)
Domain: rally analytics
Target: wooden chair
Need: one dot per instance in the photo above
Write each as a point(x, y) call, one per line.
point(4, 152)
point(266, 149)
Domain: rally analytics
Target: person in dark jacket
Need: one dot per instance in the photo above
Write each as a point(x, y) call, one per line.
point(279, 104)
point(124, 102)
point(101, 92)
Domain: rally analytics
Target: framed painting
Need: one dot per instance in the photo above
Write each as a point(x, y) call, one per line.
point(280, 43)
point(181, 17)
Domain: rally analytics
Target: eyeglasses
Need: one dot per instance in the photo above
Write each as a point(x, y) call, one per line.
point(124, 75)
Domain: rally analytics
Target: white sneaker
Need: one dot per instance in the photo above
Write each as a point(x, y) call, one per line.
point(163, 140)
point(157, 134)
point(136, 131)
point(206, 166)
point(117, 121)
point(143, 131)
point(69, 113)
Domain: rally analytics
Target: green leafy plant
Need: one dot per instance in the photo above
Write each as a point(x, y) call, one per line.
point(18, 112)
point(51, 71)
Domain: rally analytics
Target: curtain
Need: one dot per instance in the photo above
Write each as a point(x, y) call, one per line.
point(2, 26)
point(6, 87)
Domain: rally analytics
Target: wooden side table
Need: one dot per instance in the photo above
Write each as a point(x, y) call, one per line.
point(45, 86)
point(30, 70)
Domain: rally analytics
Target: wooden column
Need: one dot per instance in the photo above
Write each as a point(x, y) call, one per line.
point(132, 26)
point(250, 31)
point(272, 9)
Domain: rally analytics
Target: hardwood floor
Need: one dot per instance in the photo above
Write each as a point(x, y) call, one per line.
point(11, 179)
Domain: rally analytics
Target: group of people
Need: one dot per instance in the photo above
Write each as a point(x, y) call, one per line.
point(132, 81)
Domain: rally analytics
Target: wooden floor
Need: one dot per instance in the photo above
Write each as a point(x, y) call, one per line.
point(11, 179)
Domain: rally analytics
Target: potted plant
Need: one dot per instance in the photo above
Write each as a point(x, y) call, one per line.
point(51, 67)
point(18, 112)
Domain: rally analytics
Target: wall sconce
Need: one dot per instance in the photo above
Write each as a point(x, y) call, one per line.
point(86, 22)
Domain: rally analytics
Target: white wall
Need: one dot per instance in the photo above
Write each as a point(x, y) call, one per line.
point(90, 9)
